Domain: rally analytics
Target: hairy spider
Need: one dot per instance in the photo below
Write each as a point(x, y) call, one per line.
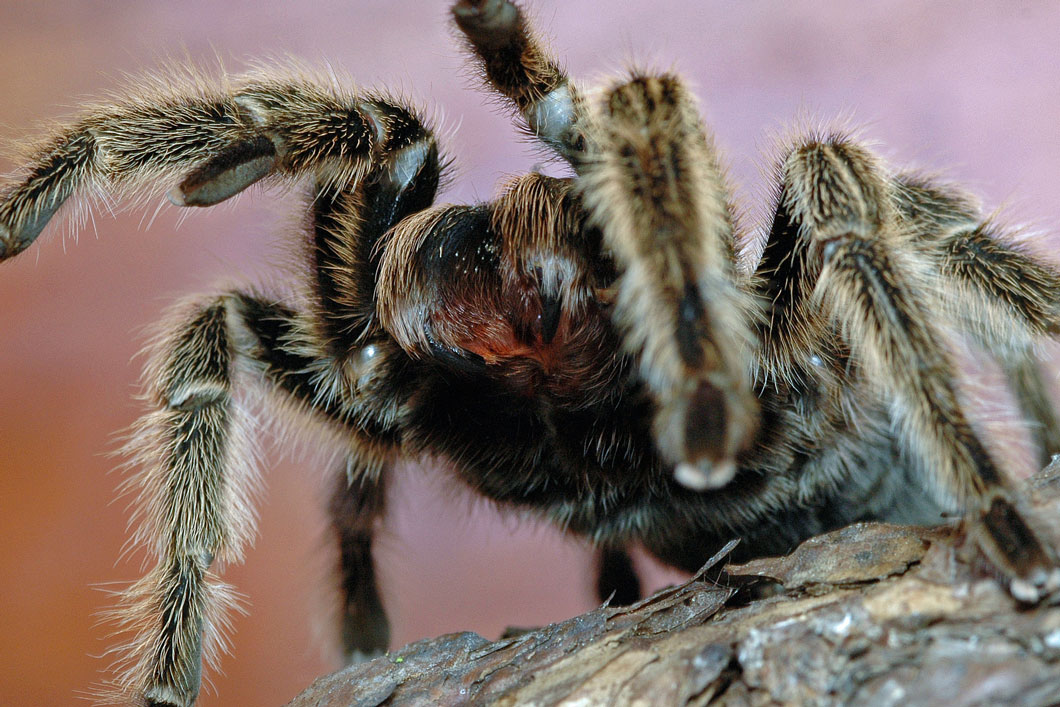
point(593, 349)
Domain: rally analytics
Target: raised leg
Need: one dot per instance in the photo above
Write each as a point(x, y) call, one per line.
point(373, 164)
point(210, 144)
point(515, 64)
point(652, 182)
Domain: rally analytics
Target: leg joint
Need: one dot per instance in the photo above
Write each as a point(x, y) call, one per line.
point(194, 363)
point(834, 188)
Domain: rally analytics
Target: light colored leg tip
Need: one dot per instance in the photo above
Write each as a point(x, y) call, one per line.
point(704, 476)
point(176, 196)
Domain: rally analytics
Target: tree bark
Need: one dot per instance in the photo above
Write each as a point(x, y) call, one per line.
point(873, 614)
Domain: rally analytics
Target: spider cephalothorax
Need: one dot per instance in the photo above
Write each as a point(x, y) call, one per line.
point(595, 349)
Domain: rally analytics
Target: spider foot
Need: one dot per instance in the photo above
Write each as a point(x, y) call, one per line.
point(366, 634)
point(1017, 551)
point(616, 577)
point(705, 428)
point(167, 697)
point(487, 22)
point(705, 475)
point(17, 234)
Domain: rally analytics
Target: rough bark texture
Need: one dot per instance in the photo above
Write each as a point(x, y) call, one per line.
point(872, 614)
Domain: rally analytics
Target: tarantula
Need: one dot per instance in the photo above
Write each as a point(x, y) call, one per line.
point(596, 349)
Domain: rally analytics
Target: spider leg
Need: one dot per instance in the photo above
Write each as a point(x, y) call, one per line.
point(349, 222)
point(652, 181)
point(516, 64)
point(1007, 299)
point(194, 484)
point(196, 474)
point(211, 143)
point(1002, 295)
point(616, 577)
point(1031, 389)
point(656, 191)
point(357, 503)
point(332, 363)
point(864, 278)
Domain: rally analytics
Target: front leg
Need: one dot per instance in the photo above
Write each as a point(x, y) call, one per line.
point(654, 187)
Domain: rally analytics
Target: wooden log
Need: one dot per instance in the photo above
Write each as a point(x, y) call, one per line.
point(873, 614)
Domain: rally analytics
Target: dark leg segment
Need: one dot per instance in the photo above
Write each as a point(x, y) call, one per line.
point(25, 211)
point(616, 577)
point(357, 505)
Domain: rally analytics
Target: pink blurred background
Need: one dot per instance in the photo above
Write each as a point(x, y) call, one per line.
point(972, 88)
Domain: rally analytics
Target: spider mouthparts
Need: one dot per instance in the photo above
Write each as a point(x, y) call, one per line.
point(704, 476)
